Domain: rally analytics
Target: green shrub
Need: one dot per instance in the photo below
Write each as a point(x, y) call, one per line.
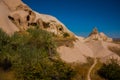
point(4, 40)
point(110, 71)
point(4, 48)
point(30, 56)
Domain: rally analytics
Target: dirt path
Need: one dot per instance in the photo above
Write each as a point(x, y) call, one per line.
point(91, 68)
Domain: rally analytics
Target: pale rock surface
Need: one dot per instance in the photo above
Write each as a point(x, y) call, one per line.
point(95, 35)
point(55, 25)
point(82, 39)
point(101, 51)
point(20, 17)
point(78, 53)
point(5, 23)
point(104, 37)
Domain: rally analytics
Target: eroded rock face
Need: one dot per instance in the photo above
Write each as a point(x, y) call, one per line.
point(23, 17)
point(16, 16)
point(95, 35)
point(51, 24)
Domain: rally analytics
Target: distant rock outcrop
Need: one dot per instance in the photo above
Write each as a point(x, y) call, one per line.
point(94, 32)
point(95, 35)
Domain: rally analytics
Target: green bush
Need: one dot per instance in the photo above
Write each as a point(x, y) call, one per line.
point(4, 49)
point(4, 39)
point(30, 56)
point(110, 71)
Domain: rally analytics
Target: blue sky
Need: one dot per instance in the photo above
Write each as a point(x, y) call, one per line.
point(81, 16)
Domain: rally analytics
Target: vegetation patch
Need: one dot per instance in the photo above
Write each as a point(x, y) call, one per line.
point(31, 56)
point(82, 69)
point(94, 75)
point(110, 71)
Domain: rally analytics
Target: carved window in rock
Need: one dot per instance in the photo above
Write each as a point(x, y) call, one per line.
point(46, 24)
point(60, 28)
point(28, 18)
point(11, 18)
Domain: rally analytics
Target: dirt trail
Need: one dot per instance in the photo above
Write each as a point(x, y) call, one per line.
point(91, 68)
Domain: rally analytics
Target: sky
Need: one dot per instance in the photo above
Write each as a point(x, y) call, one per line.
point(81, 16)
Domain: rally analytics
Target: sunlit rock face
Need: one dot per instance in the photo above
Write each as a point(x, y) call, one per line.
point(51, 24)
point(15, 16)
point(95, 35)
point(20, 17)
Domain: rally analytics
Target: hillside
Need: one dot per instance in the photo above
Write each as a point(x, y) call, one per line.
point(33, 44)
point(20, 17)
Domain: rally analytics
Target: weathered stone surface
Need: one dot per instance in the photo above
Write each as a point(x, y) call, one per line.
point(95, 35)
point(5, 22)
point(17, 16)
point(23, 17)
point(94, 32)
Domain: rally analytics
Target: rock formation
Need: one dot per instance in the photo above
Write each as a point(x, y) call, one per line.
point(95, 35)
point(19, 17)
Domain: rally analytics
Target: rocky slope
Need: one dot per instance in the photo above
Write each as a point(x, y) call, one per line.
point(19, 17)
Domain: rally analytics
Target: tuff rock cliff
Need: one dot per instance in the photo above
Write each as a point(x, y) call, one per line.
point(15, 16)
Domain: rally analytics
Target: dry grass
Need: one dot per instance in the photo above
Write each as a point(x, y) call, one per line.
point(7, 75)
point(82, 70)
point(94, 75)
